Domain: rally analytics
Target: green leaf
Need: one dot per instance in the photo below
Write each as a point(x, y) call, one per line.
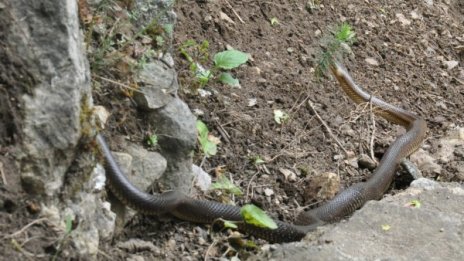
point(257, 160)
point(386, 227)
point(227, 78)
point(230, 59)
point(68, 221)
point(280, 116)
point(255, 216)
point(415, 203)
point(224, 183)
point(230, 224)
point(209, 148)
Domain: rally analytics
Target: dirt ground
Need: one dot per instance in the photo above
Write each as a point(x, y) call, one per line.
point(404, 54)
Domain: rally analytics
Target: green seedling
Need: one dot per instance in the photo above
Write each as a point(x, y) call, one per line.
point(198, 55)
point(342, 35)
point(152, 140)
point(223, 183)
point(208, 142)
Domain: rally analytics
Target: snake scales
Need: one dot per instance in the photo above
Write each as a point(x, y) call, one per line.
point(344, 203)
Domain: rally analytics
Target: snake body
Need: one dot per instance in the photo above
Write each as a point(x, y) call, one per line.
point(344, 203)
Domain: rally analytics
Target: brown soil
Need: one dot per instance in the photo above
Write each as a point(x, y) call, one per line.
point(411, 73)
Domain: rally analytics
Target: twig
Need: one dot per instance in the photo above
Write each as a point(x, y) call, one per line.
point(3, 174)
point(327, 127)
point(371, 143)
point(25, 227)
point(209, 249)
point(119, 84)
point(249, 184)
point(235, 13)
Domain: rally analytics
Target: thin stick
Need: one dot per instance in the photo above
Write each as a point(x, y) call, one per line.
point(235, 13)
point(3, 174)
point(25, 227)
point(209, 249)
point(326, 127)
point(119, 84)
point(371, 143)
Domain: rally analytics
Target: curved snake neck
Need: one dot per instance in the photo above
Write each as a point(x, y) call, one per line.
point(343, 204)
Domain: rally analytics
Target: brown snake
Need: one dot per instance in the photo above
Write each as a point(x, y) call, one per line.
point(343, 204)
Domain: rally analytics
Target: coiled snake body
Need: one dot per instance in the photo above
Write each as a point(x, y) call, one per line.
point(344, 203)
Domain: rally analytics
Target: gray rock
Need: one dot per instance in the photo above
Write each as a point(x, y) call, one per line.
point(44, 61)
point(176, 130)
point(202, 179)
point(158, 84)
point(389, 229)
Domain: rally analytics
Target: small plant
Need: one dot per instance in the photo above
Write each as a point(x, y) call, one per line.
point(208, 142)
point(342, 35)
point(152, 140)
point(198, 54)
point(257, 160)
point(223, 183)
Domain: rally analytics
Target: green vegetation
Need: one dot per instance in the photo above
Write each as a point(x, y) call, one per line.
point(257, 217)
point(152, 140)
point(197, 54)
point(342, 35)
point(223, 183)
point(208, 143)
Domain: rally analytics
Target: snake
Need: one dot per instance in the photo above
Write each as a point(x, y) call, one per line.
point(346, 202)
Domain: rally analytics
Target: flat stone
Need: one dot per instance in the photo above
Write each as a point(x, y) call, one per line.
point(389, 229)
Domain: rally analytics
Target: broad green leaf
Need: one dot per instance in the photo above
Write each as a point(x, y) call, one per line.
point(255, 216)
point(202, 129)
point(227, 78)
point(230, 59)
point(224, 183)
point(280, 116)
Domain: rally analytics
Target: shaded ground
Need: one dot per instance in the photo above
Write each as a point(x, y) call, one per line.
point(413, 44)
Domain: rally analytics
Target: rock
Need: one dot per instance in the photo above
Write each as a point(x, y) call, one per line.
point(134, 245)
point(403, 19)
point(158, 83)
point(432, 231)
point(42, 48)
point(322, 187)
point(176, 129)
point(425, 162)
point(202, 179)
point(372, 61)
point(450, 64)
point(365, 162)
